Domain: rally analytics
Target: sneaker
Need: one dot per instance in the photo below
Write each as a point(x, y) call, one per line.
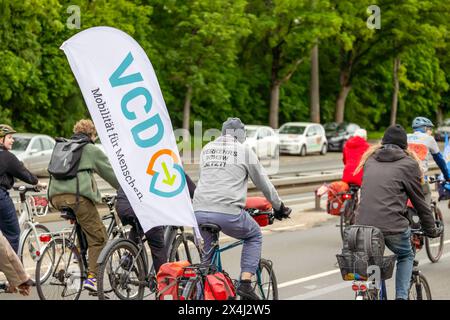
point(246, 290)
point(90, 284)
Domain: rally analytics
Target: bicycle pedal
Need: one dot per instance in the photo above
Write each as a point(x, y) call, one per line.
point(92, 293)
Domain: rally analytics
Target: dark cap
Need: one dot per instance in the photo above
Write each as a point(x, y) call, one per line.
point(395, 135)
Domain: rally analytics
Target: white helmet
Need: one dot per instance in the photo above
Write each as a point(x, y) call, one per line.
point(361, 133)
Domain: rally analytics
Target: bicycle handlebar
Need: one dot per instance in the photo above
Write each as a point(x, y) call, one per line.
point(24, 189)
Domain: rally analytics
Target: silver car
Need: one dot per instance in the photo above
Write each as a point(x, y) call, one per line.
point(34, 150)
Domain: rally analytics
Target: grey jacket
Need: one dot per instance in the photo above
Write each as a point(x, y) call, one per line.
point(225, 165)
point(390, 178)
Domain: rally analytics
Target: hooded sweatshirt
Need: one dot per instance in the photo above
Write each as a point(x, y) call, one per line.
point(390, 178)
point(352, 153)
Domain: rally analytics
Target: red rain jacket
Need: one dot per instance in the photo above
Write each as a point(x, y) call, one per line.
point(354, 148)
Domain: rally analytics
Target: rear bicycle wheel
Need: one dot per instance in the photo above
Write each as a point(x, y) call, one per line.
point(58, 276)
point(347, 216)
point(266, 281)
point(31, 247)
point(435, 246)
point(419, 288)
point(185, 249)
point(122, 274)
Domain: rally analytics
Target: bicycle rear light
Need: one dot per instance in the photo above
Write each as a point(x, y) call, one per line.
point(347, 196)
point(45, 237)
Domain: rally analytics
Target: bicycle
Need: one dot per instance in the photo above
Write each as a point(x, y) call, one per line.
point(266, 282)
point(30, 246)
point(434, 246)
point(419, 288)
point(351, 200)
point(62, 268)
point(124, 267)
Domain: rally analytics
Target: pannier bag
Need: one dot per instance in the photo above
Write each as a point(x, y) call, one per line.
point(260, 209)
point(335, 201)
point(364, 247)
point(168, 279)
point(219, 286)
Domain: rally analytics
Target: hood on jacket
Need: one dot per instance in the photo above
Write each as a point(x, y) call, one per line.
point(356, 142)
point(389, 153)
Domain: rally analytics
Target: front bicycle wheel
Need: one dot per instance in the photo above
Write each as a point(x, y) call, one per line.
point(122, 274)
point(59, 271)
point(185, 249)
point(31, 247)
point(419, 288)
point(435, 246)
point(266, 282)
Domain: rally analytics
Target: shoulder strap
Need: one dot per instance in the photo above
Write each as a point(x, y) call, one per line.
point(368, 241)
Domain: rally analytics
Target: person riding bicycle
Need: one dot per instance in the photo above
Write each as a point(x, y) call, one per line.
point(13, 269)
point(424, 144)
point(354, 149)
point(392, 174)
point(225, 166)
point(63, 193)
point(154, 236)
point(10, 168)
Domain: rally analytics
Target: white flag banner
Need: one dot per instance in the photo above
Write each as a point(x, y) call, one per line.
point(122, 93)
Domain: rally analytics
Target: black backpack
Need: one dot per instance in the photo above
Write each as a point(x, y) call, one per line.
point(65, 158)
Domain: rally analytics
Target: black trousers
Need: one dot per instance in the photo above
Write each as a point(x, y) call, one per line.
point(9, 223)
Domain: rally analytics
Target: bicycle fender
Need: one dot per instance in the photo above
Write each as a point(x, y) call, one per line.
point(103, 253)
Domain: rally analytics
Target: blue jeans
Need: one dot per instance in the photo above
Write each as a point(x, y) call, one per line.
point(400, 244)
point(9, 223)
point(240, 226)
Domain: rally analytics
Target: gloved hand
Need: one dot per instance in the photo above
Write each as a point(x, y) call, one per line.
point(283, 212)
point(436, 231)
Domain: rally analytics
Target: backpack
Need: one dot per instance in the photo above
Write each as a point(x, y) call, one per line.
point(168, 279)
point(363, 247)
point(219, 286)
point(65, 158)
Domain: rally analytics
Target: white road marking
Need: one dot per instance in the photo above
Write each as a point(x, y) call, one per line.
point(289, 227)
point(335, 287)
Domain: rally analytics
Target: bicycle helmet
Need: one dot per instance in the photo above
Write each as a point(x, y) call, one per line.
point(5, 129)
point(419, 122)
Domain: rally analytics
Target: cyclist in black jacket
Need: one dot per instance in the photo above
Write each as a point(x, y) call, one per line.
point(10, 168)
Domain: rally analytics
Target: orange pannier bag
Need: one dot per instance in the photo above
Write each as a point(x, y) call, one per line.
point(219, 286)
point(335, 197)
point(167, 279)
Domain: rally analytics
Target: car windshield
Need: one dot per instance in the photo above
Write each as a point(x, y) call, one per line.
point(250, 133)
point(292, 130)
point(20, 144)
point(334, 127)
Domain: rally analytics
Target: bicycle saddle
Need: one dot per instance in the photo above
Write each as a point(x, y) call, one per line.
point(68, 214)
point(210, 227)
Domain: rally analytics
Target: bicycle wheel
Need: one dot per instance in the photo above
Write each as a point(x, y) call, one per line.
point(185, 250)
point(419, 288)
point(31, 247)
point(346, 216)
point(58, 276)
point(266, 282)
point(122, 274)
point(435, 246)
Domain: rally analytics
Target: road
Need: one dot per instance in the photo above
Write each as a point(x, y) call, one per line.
point(305, 264)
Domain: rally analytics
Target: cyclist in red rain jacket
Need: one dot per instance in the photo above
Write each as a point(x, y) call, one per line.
point(353, 150)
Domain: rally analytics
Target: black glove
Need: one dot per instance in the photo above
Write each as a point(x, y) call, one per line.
point(436, 232)
point(283, 212)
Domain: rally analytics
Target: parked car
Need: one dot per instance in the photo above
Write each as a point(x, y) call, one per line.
point(34, 150)
point(263, 140)
point(441, 130)
point(338, 133)
point(302, 138)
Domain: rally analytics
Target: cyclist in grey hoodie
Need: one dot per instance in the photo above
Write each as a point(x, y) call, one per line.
point(225, 166)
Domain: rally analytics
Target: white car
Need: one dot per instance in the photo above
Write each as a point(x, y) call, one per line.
point(263, 140)
point(34, 150)
point(302, 138)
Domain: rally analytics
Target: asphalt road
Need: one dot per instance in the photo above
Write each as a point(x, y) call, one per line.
point(305, 264)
